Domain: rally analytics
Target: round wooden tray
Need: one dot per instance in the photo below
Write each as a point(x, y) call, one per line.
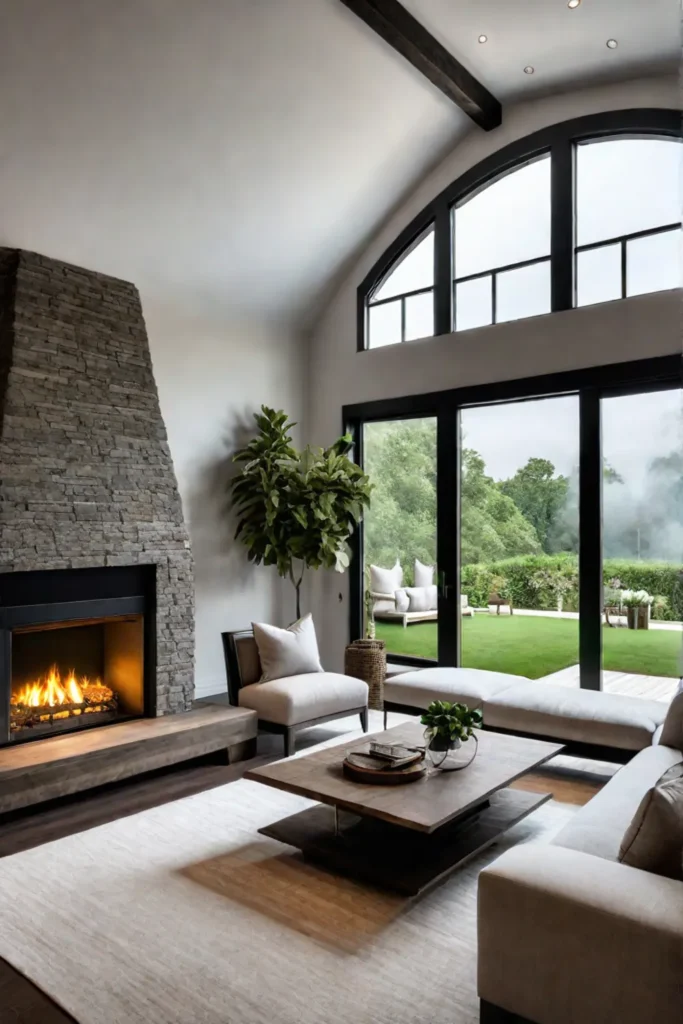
point(383, 776)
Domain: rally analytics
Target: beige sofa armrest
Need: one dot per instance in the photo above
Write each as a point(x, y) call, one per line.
point(569, 938)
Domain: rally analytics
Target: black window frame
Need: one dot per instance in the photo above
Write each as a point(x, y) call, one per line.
point(560, 141)
point(372, 303)
point(590, 385)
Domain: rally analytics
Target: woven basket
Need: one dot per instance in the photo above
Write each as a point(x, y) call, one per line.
point(367, 660)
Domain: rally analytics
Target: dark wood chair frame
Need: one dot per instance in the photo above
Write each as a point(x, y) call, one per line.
point(234, 674)
point(573, 748)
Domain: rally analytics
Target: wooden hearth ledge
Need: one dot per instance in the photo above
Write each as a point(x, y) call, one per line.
point(31, 773)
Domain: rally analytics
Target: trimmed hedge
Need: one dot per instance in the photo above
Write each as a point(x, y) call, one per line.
point(658, 578)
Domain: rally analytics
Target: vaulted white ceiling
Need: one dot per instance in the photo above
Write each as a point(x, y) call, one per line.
point(234, 154)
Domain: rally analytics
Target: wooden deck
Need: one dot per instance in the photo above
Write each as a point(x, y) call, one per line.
point(626, 683)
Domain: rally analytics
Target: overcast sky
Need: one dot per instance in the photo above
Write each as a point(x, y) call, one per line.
point(636, 429)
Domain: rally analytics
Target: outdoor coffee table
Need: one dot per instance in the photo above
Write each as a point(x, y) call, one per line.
point(405, 837)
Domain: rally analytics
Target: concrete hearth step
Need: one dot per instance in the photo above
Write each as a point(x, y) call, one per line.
point(31, 773)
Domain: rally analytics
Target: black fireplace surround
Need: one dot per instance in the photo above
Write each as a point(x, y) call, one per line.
point(77, 649)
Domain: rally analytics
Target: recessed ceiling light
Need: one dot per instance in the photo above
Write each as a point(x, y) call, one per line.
point(573, 4)
point(528, 70)
point(612, 44)
point(483, 38)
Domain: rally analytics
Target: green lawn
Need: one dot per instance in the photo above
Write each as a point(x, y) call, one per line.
point(535, 647)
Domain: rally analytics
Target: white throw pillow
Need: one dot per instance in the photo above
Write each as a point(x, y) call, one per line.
point(287, 652)
point(402, 600)
point(424, 574)
point(386, 581)
point(422, 599)
point(654, 839)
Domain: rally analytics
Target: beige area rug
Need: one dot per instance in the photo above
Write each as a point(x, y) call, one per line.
point(184, 915)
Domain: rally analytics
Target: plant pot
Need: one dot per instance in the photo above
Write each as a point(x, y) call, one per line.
point(441, 752)
point(638, 618)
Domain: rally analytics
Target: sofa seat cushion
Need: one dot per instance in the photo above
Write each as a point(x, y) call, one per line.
point(297, 699)
point(470, 686)
point(599, 826)
point(584, 716)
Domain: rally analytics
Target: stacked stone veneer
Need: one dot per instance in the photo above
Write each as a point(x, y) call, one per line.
point(86, 476)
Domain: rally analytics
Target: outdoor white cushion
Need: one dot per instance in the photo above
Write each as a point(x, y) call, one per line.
point(586, 716)
point(422, 599)
point(301, 698)
point(654, 839)
point(401, 600)
point(471, 686)
point(287, 652)
point(598, 827)
point(423, 575)
point(386, 581)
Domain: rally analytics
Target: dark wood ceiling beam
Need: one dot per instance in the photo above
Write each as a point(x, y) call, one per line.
point(390, 20)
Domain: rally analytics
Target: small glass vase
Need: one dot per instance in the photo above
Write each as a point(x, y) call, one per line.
point(441, 752)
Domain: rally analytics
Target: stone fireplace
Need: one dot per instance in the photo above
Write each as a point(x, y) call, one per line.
point(96, 573)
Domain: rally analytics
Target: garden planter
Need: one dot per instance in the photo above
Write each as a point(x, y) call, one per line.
point(638, 618)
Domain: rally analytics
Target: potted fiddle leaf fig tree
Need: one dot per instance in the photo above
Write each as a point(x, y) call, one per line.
point(297, 509)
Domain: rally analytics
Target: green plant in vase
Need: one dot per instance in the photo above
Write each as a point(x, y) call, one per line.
point(448, 726)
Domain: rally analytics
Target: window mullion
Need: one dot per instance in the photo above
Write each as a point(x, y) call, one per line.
point(562, 206)
point(443, 271)
point(623, 268)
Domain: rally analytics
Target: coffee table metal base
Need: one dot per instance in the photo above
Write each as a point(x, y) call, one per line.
point(397, 858)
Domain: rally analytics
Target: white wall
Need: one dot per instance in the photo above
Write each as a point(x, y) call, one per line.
point(614, 332)
point(211, 378)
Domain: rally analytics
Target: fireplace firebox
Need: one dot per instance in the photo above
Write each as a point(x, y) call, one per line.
point(77, 649)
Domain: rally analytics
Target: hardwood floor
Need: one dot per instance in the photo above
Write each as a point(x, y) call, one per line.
point(569, 780)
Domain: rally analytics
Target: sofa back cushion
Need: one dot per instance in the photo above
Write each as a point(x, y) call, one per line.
point(287, 652)
point(672, 730)
point(654, 839)
point(386, 581)
point(423, 574)
point(422, 599)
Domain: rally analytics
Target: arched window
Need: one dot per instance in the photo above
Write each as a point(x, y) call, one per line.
point(586, 211)
point(628, 212)
point(401, 308)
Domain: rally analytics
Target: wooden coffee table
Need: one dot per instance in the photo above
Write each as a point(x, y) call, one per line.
point(406, 837)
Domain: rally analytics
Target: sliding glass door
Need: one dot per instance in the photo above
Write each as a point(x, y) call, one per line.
point(642, 543)
point(532, 527)
point(399, 537)
point(519, 538)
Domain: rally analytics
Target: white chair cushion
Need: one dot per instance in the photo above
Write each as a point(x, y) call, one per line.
point(301, 698)
point(585, 716)
point(599, 826)
point(401, 600)
point(287, 652)
point(470, 686)
point(423, 575)
point(386, 581)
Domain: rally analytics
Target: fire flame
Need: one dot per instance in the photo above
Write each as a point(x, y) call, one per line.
point(52, 690)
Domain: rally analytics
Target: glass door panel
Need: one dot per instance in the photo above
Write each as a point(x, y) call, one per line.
point(642, 543)
point(519, 536)
point(399, 545)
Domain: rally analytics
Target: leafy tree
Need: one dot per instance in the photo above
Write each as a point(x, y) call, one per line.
point(492, 525)
point(540, 496)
